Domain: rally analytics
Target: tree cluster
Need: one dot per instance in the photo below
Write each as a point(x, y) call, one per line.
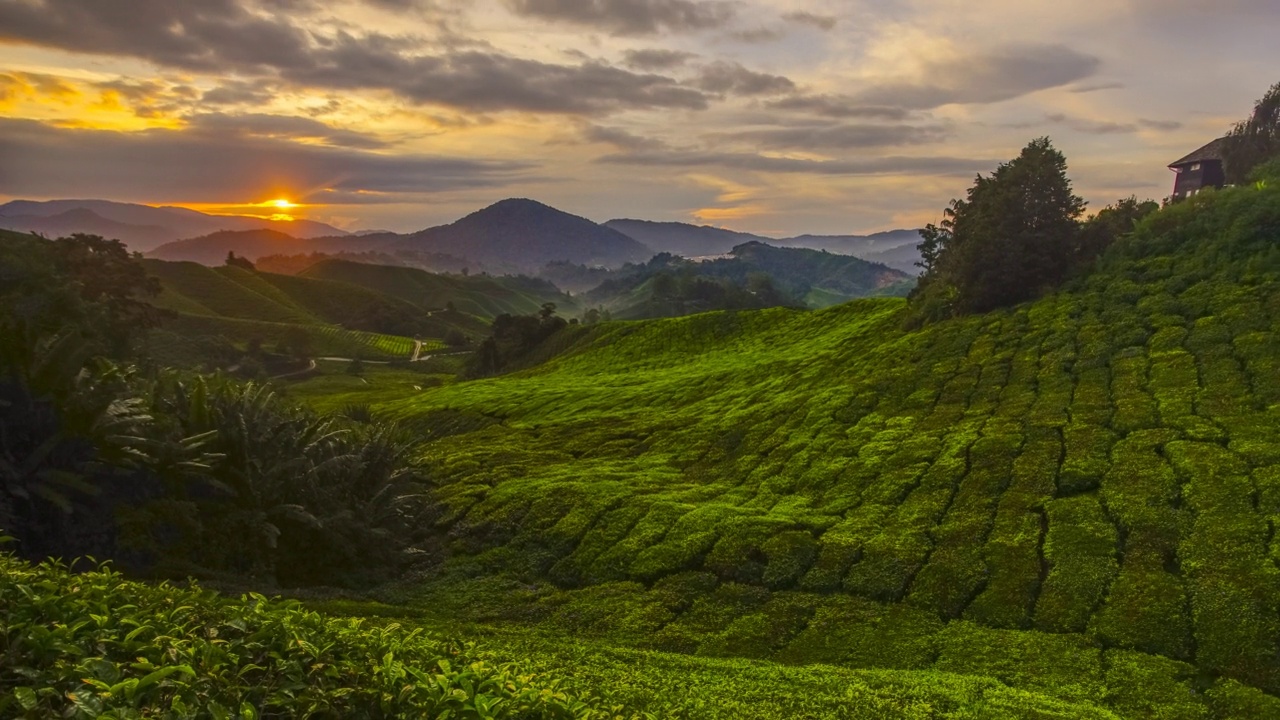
point(167, 474)
point(513, 337)
point(1017, 234)
point(1255, 140)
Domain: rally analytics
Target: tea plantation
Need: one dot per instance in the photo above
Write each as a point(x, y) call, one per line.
point(93, 645)
point(1076, 497)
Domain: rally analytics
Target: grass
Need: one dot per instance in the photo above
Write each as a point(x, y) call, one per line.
point(1073, 496)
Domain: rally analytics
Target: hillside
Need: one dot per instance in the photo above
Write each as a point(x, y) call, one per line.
point(484, 296)
point(518, 235)
point(212, 249)
point(141, 227)
point(1074, 496)
point(895, 248)
point(337, 318)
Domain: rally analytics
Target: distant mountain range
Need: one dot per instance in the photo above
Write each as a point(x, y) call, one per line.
point(141, 227)
point(895, 248)
point(511, 236)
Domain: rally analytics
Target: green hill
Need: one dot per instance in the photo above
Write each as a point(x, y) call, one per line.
point(485, 296)
point(1076, 496)
point(337, 318)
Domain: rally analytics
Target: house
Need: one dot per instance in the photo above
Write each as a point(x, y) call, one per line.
point(1199, 170)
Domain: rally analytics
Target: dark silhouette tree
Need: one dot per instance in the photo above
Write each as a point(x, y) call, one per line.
point(1255, 140)
point(234, 260)
point(1013, 236)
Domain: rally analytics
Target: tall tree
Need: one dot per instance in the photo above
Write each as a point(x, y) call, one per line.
point(1255, 140)
point(1013, 236)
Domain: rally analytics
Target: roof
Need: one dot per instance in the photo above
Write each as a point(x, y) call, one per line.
point(1212, 151)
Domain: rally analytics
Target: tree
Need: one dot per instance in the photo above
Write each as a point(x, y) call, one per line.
point(1255, 140)
point(1110, 224)
point(356, 367)
point(241, 262)
point(1014, 235)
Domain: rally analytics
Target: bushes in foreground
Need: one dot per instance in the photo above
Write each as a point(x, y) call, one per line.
point(96, 645)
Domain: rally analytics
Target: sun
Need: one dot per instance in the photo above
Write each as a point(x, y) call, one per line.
point(282, 203)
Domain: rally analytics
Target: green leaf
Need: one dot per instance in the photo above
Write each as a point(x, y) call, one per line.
point(26, 697)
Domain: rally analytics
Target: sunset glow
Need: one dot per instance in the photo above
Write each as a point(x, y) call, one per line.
point(811, 115)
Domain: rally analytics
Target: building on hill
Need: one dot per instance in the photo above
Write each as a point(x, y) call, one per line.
point(1199, 170)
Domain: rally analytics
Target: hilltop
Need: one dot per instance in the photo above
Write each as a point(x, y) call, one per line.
point(212, 249)
point(520, 235)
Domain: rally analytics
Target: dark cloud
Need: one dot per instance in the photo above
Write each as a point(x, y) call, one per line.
point(758, 35)
point(630, 17)
point(732, 78)
point(222, 36)
point(280, 127)
point(986, 77)
point(763, 163)
point(1105, 127)
point(1095, 87)
point(621, 139)
point(836, 106)
point(240, 92)
point(822, 22)
point(174, 165)
point(656, 59)
point(829, 137)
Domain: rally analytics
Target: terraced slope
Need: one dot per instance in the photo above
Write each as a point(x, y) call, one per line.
point(1077, 496)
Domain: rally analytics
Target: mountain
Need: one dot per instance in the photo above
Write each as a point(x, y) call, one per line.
point(895, 248)
point(212, 249)
point(684, 239)
point(520, 235)
point(141, 227)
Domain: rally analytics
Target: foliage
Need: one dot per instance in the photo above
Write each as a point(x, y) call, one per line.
point(1011, 238)
point(96, 645)
point(1254, 140)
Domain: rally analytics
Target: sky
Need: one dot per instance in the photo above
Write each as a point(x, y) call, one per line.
point(778, 117)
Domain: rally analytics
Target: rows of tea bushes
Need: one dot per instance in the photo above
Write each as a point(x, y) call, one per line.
point(1100, 466)
point(93, 645)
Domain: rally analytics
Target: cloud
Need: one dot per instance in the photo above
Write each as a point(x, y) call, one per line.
point(828, 137)
point(621, 139)
point(1106, 127)
point(769, 164)
point(162, 165)
point(732, 78)
point(758, 35)
point(280, 127)
point(822, 22)
point(223, 37)
point(985, 77)
point(630, 17)
point(1095, 87)
point(656, 59)
point(836, 106)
